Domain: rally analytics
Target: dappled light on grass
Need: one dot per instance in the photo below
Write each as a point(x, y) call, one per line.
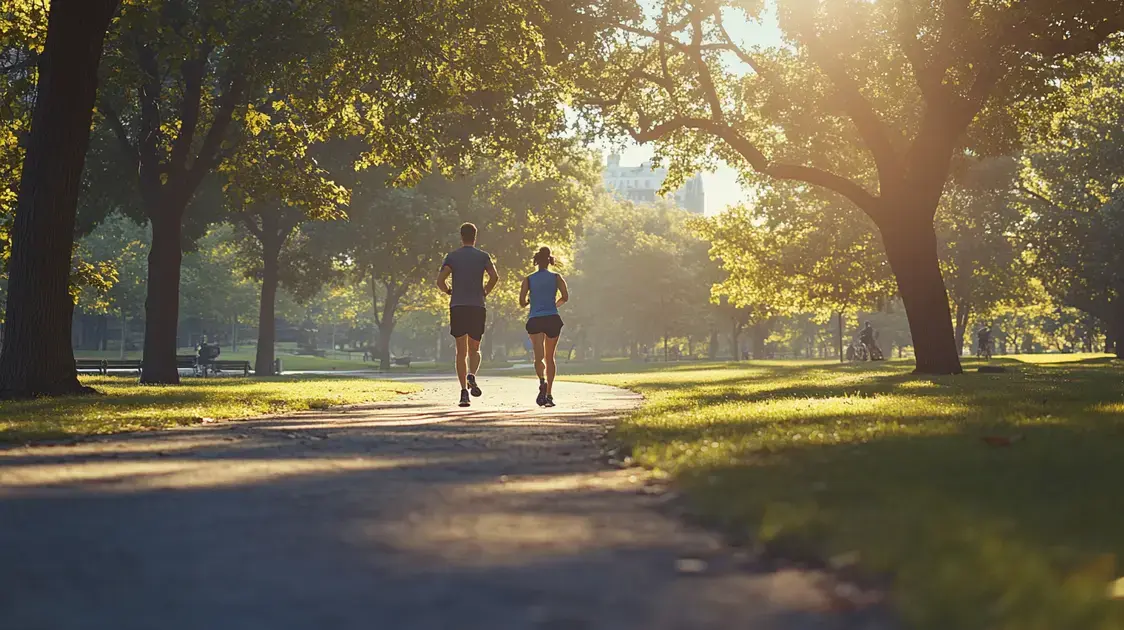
point(127, 406)
point(984, 499)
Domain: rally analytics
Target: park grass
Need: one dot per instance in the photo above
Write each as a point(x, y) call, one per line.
point(124, 405)
point(819, 461)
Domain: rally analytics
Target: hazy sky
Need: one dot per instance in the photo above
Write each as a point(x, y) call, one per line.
point(722, 187)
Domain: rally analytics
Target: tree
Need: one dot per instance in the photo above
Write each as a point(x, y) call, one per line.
point(37, 358)
point(871, 100)
point(633, 284)
point(1073, 186)
point(800, 248)
point(395, 239)
point(981, 251)
point(420, 84)
point(122, 245)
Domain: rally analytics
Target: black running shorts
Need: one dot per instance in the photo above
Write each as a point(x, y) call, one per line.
point(551, 325)
point(468, 320)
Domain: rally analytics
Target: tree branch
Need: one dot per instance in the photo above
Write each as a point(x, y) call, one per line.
point(757, 160)
point(208, 155)
point(121, 133)
point(873, 131)
point(193, 71)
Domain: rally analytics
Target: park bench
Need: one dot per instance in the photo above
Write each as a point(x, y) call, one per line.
point(403, 361)
point(186, 362)
point(226, 366)
point(122, 365)
point(90, 365)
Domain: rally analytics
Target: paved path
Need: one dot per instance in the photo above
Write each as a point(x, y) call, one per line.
point(407, 515)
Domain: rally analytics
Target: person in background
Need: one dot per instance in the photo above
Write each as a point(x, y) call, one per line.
point(544, 291)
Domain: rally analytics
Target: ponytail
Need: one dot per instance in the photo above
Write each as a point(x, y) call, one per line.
point(543, 258)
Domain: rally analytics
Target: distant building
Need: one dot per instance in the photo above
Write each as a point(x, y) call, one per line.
point(641, 183)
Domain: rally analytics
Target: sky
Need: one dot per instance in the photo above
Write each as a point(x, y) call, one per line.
point(721, 186)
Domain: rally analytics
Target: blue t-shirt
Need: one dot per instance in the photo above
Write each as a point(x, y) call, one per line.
point(468, 265)
point(544, 293)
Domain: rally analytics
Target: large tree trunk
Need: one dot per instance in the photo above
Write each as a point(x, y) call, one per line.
point(37, 357)
point(963, 313)
point(267, 313)
point(162, 304)
point(911, 246)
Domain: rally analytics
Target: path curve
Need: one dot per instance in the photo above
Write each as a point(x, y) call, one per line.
point(407, 515)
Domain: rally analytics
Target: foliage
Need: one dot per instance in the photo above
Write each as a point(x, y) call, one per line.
point(122, 246)
point(798, 250)
point(636, 281)
point(1073, 185)
point(214, 287)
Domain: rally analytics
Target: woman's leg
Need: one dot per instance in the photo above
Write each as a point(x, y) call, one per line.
point(551, 368)
point(537, 343)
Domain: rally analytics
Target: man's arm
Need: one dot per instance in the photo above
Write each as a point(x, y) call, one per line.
point(493, 277)
point(563, 291)
point(443, 279)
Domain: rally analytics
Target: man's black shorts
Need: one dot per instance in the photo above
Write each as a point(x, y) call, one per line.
point(467, 320)
point(549, 324)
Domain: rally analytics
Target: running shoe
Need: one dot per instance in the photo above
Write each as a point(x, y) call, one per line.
point(541, 400)
point(549, 401)
point(464, 398)
point(473, 387)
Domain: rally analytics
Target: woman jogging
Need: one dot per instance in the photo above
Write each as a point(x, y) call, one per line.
point(545, 291)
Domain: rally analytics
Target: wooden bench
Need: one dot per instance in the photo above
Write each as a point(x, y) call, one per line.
point(403, 361)
point(225, 366)
point(122, 365)
point(90, 365)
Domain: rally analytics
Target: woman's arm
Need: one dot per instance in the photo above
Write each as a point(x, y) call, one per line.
point(563, 290)
point(523, 290)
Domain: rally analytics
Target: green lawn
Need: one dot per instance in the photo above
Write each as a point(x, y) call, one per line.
point(126, 406)
point(819, 460)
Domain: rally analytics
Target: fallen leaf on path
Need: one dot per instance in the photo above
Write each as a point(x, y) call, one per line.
point(690, 566)
point(999, 441)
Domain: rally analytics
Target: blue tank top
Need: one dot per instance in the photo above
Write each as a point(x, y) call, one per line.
point(544, 293)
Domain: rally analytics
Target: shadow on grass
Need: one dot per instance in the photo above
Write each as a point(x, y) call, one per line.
point(894, 467)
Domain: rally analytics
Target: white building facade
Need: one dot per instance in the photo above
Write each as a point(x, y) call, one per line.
point(641, 184)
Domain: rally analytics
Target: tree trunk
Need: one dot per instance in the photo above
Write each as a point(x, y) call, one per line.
point(267, 320)
point(760, 332)
point(37, 357)
point(382, 350)
point(234, 334)
point(735, 339)
point(162, 305)
point(713, 351)
point(911, 246)
point(839, 326)
point(963, 312)
point(124, 333)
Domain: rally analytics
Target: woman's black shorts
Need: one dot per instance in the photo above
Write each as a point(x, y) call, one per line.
point(551, 325)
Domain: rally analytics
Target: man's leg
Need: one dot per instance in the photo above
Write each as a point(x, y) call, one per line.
point(462, 360)
point(551, 366)
point(473, 355)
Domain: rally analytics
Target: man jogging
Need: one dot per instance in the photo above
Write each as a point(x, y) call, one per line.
point(467, 314)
